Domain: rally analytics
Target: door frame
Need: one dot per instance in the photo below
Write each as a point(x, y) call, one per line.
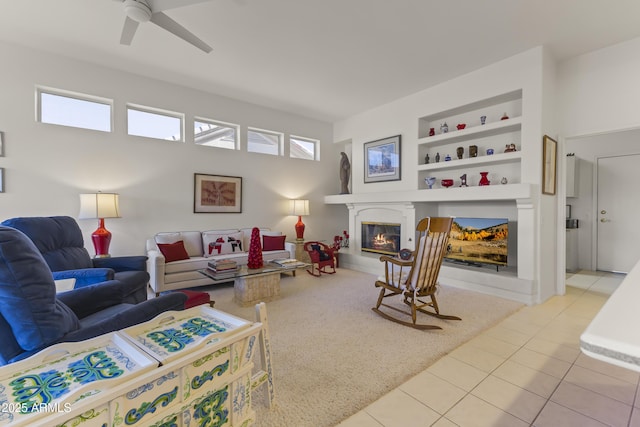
point(561, 235)
point(594, 208)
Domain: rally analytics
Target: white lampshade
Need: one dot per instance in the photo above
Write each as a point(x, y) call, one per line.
point(299, 207)
point(99, 205)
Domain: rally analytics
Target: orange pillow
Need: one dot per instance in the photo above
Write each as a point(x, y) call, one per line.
point(173, 251)
point(273, 243)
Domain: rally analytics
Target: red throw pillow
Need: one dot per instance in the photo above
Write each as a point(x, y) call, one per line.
point(173, 251)
point(273, 243)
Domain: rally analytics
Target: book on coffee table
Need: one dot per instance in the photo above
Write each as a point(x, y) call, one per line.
point(288, 262)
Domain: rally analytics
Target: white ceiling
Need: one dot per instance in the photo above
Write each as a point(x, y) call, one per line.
point(325, 59)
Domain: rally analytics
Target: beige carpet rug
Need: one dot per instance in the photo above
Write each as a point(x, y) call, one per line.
point(333, 356)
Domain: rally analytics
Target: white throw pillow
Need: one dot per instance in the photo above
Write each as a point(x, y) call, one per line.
point(222, 244)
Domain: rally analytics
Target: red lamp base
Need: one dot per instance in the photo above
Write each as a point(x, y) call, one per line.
point(299, 229)
point(101, 239)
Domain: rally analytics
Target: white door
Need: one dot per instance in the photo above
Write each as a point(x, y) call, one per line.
point(618, 194)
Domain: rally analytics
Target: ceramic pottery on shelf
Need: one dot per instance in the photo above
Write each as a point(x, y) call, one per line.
point(463, 178)
point(510, 148)
point(429, 181)
point(447, 158)
point(504, 180)
point(483, 119)
point(484, 180)
point(461, 126)
point(473, 151)
point(504, 117)
point(489, 151)
point(447, 183)
point(432, 131)
point(460, 152)
point(444, 128)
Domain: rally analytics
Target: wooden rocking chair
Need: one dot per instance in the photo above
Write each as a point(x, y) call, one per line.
point(417, 277)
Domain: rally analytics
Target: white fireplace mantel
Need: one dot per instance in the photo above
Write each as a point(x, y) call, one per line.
point(517, 283)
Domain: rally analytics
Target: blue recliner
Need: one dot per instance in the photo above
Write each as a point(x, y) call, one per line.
point(33, 316)
point(59, 240)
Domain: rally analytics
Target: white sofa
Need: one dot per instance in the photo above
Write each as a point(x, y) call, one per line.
point(201, 247)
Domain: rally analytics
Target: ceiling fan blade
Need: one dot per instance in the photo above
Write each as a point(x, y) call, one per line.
point(163, 21)
point(128, 31)
point(160, 5)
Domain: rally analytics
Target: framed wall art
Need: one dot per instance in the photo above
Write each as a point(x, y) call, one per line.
point(217, 194)
point(382, 160)
point(549, 165)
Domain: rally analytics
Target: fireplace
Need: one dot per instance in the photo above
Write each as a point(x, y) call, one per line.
point(380, 237)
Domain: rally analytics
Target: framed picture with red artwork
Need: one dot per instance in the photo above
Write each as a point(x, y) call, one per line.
point(217, 194)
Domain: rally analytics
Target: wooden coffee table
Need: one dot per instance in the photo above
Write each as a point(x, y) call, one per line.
point(254, 285)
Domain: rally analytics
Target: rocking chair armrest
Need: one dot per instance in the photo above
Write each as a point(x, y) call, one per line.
point(396, 261)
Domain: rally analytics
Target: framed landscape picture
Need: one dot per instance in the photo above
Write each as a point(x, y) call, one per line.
point(382, 160)
point(217, 194)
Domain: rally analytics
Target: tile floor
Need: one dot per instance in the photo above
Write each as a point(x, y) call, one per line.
point(526, 371)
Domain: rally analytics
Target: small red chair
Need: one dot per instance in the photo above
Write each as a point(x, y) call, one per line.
point(322, 257)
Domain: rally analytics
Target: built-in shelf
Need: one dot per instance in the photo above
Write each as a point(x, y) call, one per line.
point(490, 129)
point(511, 157)
point(452, 194)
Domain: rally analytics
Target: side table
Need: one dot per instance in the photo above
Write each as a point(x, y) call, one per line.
point(301, 254)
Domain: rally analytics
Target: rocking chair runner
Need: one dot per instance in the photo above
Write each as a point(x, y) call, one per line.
point(417, 278)
point(322, 257)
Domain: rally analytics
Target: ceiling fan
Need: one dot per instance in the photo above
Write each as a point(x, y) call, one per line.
point(141, 11)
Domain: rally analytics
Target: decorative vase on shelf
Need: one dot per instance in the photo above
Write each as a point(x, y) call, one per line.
point(444, 128)
point(432, 131)
point(483, 119)
point(484, 180)
point(504, 116)
point(446, 183)
point(504, 180)
point(429, 181)
point(463, 180)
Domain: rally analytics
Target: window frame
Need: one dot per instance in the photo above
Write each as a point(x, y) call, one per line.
point(63, 93)
point(236, 127)
point(159, 112)
point(316, 147)
point(279, 135)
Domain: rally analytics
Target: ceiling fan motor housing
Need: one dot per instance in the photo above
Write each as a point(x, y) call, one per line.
point(138, 10)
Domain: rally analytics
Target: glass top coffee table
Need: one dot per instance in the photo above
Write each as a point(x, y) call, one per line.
point(254, 285)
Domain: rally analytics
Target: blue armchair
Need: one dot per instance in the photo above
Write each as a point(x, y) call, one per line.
point(59, 240)
point(33, 316)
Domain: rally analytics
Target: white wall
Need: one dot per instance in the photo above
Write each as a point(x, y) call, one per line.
point(599, 91)
point(599, 95)
point(47, 166)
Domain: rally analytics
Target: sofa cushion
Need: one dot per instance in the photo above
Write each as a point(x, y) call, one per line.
point(217, 242)
point(173, 251)
point(192, 240)
point(28, 294)
point(273, 243)
point(263, 232)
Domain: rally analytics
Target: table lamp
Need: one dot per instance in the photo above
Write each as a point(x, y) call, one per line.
point(299, 207)
point(100, 206)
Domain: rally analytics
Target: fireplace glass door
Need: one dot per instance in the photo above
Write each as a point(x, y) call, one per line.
point(381, 237)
